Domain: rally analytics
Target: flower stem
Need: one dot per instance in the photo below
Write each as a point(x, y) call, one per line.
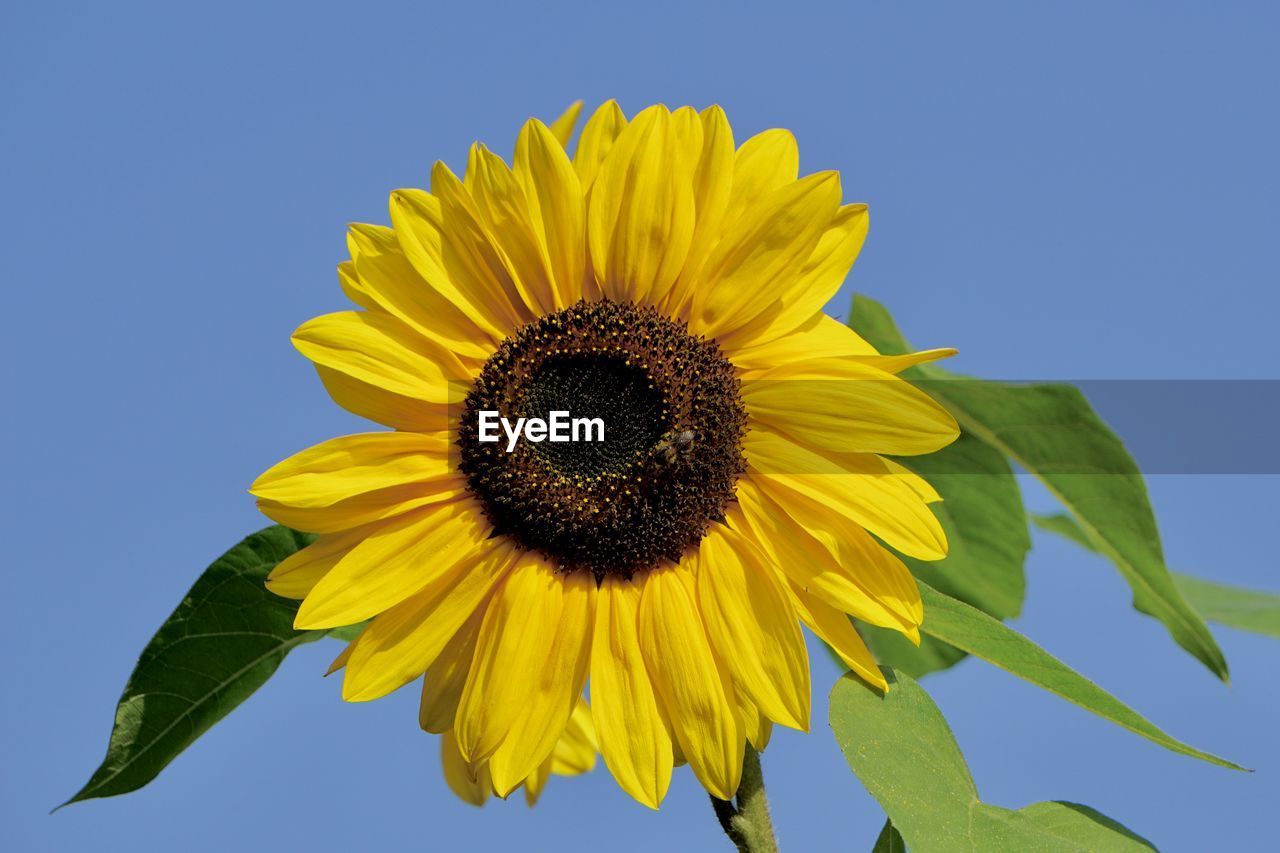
point(746, 820)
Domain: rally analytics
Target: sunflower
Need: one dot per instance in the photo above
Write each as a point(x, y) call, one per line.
point(670, 284)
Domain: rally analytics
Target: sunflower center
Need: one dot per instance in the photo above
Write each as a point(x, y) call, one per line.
point(597, 385)
point(671, 452)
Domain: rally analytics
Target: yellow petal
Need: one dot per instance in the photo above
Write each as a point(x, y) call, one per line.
point(536, 732)
point(766, 162)
point(575, 752)
point(752, 626)
point(899, 363)
point(562, 128)
point(633, 739)
point(345, 467)
point(759, 259)
point(820, 276)
point(341, 660)
point(402, 642)
point(395, 561)
point(418, 219)
point(355, 289)
point(598, 136)
point(693, 690)
point(295, 575)
point(818, 337)
point(917, 483)
point(470, 784)
point(443, 681)
point(361, 509)
point(712, 182)
point(557, 208)
point(382, 406)
point(844, 406)
point(393, 284)
point(867, 582)
point(537, 781)
point(677, 756)
point(504, 211)
point(529, 668)
point(379, 350)
point(852, 367)
point(469, 257)
point(821, 337)
point(857, 487)
point(640, 218)
point(757, 726)
point(687, 127)
point(883, 574)
point(835, 629)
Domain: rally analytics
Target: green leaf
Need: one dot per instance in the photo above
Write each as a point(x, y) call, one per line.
point(889, 841)
point(975, 632)
point(1066, 527)
point(1083, 824)
point(1233, 606)
point(986, 526)
point(893, 649)
point(903, 751)
point(221, 644)
point(1053, 433)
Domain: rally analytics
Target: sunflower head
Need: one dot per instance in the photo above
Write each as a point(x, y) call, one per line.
point(668, 283)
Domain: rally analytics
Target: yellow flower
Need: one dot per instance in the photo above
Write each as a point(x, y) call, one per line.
point(672, 286)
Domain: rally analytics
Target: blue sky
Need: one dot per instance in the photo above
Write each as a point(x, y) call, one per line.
point(1076, 190)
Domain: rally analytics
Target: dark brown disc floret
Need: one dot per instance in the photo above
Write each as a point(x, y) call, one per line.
point(671, 453)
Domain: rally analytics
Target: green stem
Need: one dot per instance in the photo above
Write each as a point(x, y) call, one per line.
point(725, 813)
point(746, 820)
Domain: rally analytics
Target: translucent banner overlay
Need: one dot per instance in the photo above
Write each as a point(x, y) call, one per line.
point(1168, 426)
